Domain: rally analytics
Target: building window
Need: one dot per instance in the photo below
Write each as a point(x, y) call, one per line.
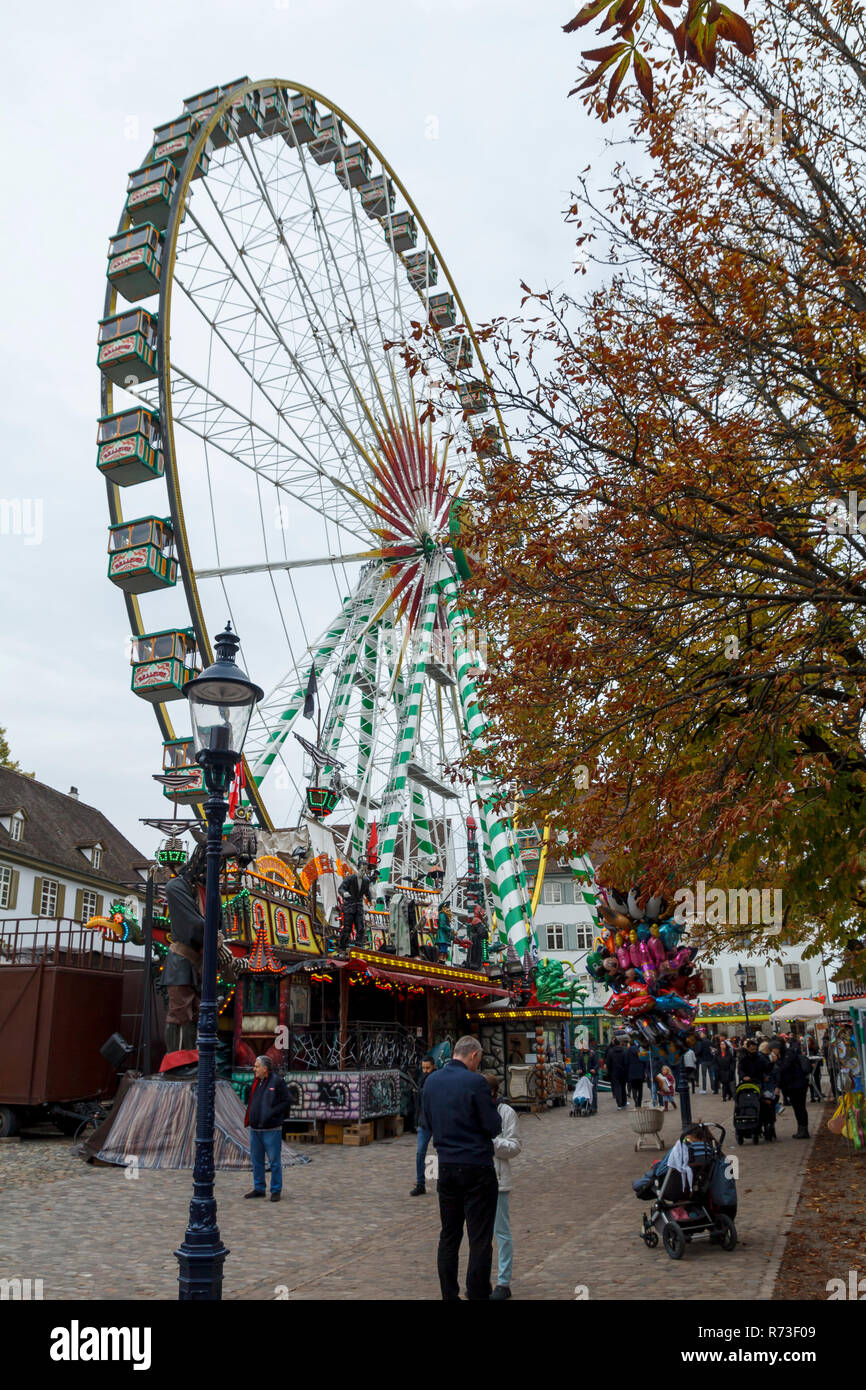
point(751, 981)
point(5, 885)
point(96, 861)
point(583, 938)
point(48, 900)
point(555, 938)
point(16, 827)
point(551, 893)
point(88, 905)
point(709, 982)
point(792, 977)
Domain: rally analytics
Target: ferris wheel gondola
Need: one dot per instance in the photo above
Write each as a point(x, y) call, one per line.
point(311, 472)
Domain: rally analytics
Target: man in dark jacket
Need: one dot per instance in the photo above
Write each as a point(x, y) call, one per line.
point(752, 1064)
point(266, 1110)
point(458, 1109)
point(428, 1066)
point(636, 1074)
point(703, 1057)
point(616, 1061)
point(794, 1072)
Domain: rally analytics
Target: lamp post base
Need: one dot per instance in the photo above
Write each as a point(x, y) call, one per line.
point(685, 1095)
point(200, 1278)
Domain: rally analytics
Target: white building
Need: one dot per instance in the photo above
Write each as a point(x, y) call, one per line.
point(768, 984)
point(565, 926)
point(60, 858)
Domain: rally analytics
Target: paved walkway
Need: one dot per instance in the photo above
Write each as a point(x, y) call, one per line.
point(347, 1228)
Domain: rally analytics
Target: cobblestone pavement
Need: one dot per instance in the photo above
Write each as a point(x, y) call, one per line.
point(347, 1228)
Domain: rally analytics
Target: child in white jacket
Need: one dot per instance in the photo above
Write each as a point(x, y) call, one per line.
point(506, 1146)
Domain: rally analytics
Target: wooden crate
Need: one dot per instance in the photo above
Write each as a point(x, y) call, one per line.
point(358, 1135)
point(334, 1131)
point(389, 1126)
point(312, 1133)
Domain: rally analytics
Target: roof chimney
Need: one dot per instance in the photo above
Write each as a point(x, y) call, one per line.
point(73, 791)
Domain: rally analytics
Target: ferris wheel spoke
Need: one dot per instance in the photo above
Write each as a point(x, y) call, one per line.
point(318, 401)
point(368, 281)
point(233, 432)
point(365, 415)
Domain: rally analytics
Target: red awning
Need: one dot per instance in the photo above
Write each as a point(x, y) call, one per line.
point(404, 977)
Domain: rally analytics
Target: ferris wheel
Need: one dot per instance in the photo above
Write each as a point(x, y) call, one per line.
point(266, 269)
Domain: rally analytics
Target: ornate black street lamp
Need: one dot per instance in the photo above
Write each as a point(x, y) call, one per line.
point(221, 702)
point(740, 975)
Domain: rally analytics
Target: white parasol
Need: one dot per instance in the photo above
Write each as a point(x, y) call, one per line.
point(798, 1008)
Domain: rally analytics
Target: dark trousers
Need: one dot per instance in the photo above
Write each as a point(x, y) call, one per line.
point(636, 1088)
point(467, 1193)
point(353, 919)
point(617, 1089)
point(727, 1092)
point(424, 1137)
point(798, 1101)
point(691, 1077)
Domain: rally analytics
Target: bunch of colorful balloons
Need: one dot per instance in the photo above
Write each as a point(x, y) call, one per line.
point(652, 976)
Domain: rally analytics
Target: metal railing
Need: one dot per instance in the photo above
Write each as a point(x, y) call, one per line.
point(57, 941)
point(366, 1047)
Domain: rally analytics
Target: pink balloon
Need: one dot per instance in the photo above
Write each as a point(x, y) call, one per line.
point(635, 953)
point(657, 949)
point(623, 957)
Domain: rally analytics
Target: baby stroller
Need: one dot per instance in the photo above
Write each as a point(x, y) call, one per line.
point(747, 1112)
point(581, 1100)
point(692, 1194)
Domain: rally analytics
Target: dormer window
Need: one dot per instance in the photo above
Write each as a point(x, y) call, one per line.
point(93, 853)
point(16, 826)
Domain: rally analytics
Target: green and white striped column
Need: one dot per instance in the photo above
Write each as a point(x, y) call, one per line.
point(366, 723)
point(504, 864)
point(324, 649)
point(395, 792)
point(344, 681)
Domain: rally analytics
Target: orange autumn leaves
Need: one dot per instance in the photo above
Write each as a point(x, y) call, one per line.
point(702, 25)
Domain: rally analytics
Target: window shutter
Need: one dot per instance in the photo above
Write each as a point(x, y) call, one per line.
point(99, 901)
point(779, 975)
point(61, 899)
point(13, 889)
point(804, 976)
point(569, 936)
point(79, 904)
point(760, 979)
point(37, 896)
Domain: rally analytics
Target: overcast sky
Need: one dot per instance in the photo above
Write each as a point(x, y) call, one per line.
point(468, 101)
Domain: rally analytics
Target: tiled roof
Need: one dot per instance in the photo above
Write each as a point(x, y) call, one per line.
point(57, 825)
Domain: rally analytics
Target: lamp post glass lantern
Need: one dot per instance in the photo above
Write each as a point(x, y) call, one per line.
point(221, 703)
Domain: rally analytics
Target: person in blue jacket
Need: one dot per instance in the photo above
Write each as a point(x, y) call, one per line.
point(459, 1111)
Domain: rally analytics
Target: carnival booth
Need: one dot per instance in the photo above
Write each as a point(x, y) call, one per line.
point(527, 1048)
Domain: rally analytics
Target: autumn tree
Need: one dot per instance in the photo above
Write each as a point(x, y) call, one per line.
point(675, 551)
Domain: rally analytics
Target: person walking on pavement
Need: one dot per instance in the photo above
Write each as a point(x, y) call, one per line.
point(636, 1074)
point(794, 1072)
point(506, 1146)
point(616, 1062)
point(829, 1054)
point(703, 1059)
point(690, 1067)
point(588, 1066)
point(266, 1110)
point(752, 1064)
point(458, 1110)
point(725, 1069)
point(428, 1066)
point(815, 1060)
